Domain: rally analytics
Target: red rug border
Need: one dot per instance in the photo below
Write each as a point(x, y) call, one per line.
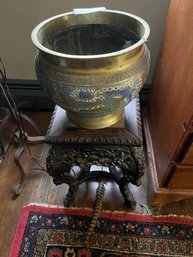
point(117, 215)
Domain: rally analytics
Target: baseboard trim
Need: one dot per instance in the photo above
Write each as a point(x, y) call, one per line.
point(29, 94)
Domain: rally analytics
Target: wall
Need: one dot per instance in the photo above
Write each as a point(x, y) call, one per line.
point(18, 18)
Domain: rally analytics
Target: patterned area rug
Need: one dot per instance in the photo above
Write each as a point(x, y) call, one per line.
point(69, 232)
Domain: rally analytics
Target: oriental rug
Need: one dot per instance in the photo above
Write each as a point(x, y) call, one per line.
point(70, 232)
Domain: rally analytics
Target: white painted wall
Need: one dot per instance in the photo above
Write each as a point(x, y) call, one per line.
point(18, 18)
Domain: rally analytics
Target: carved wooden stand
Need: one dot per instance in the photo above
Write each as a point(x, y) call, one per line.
point(119, 148)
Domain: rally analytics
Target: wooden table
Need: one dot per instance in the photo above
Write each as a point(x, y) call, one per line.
point(77, 155)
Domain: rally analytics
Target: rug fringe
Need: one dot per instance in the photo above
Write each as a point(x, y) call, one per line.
point(109, 211)
point(57, 206)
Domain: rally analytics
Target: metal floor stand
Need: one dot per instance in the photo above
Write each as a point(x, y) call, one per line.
point(20, 136)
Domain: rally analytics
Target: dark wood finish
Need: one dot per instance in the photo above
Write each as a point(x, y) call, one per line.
point(114, 148)
point(170, 107)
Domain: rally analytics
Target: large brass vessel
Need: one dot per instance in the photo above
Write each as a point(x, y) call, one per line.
point(92, 64)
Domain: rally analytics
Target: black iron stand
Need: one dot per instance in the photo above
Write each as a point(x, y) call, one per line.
point(20, 136)
point(4, 117)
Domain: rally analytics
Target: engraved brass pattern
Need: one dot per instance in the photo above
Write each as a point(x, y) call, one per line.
point(91, 95)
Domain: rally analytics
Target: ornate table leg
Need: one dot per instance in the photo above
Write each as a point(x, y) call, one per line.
point(123, 186)
point(60, 172)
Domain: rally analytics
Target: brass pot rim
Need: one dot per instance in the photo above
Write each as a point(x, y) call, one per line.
point(38, 44)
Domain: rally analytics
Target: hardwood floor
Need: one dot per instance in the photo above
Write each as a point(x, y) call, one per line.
point(39, 188)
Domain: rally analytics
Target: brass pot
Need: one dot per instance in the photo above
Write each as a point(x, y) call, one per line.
point(92, 64)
